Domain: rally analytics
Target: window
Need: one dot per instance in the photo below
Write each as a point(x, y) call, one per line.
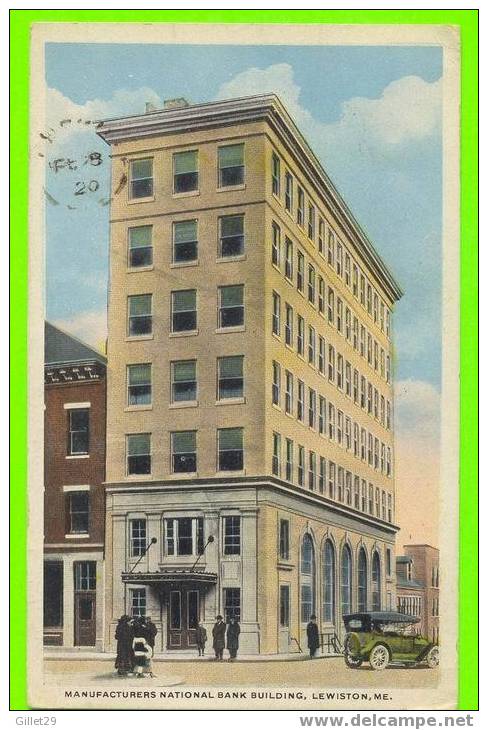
point(340, 427)
point(370, 499)
point(376, 582)
point(332, 476)
point(288, 325)
point(340, 371)
point(364, 499)
point(388, 462)
point(307, 579)
point(347, 269)
point(377, 503)
point(140, 315)
point(330, 306)
point(331, 249)
point(184, 452)
point(276, 386)
point(231, 236)
point(388, 370)
point(383, 505)
point(362, 581)
point(348, 379)
point(331, 363)
point(362, 290)
point(363, 444)
point(322, 414)
point(141, 178)
point(230, 449)
point(311, 284)
point(231, 306)
point(300, 335)
point(321, 236)
point(53, 593)
point(184, 536)
point(78, 505)
point(322, 476)
point(183, 381)
point(370, 349)
point(370, 398)
point(138, 601)
point(300, 271)
point(184, 310)
point(375, 308)
point(376, 453)
point(288, 192)
point(383, 458)
point(78, 431)
point(356, 439)
point(139, 453)
point(321, 301)
point(355, 386)
point(346, 580)
point(276, 462)
point(331, 421)
point(382, 316)
point(321, 355)
point(388, 323)
point(275, 175)
point(300, 400)
point(339, 259)
point(301, 465)
point(356, 493)
point(370, 449)
point(284, 605)
point(388, 415)
point(230, 377)
point(348, 488)
point(289, 392)
point(348, 432)
point(139, 384)
point(363, 391)
point(288, 259)
point(355, 278)
point(369, 297)
point(137, 537)
point(85, 577)
point(348, 324)
point(300, 207)
point(185, 171)
point(382, 410)
point(232, 535)
point(328, 599)
point(231, 165)
point(312, 407)
point(140, 246)
point(339, 315)
point(276, 314)
point(355, 333)
point(311, 222)
point(276, 246)
point(362, 342)
point(340, 483)
point(375, 403)
point(232, 603)
point(185, 242)
point(382, 363)
point(284, 539)
point(311, 346)
point(289, 460)
point(312, 470)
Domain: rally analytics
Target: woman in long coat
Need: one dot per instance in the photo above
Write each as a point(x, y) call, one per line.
point(218, 633)
point(233, 631)
point(125, 654)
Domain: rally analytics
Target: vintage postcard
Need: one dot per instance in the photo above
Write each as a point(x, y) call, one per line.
point(244, 245)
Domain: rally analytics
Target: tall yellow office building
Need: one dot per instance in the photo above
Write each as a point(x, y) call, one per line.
point(250, 404)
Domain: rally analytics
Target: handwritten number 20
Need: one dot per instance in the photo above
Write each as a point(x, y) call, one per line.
point(81, 188)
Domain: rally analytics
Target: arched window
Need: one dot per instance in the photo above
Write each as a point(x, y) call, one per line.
point(376, 582)
point(328, 586)
point(346, 580)
point(307, 579)
point(362, 581)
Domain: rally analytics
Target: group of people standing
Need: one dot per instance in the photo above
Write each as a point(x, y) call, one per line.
point(223, 634)
point(135, 645)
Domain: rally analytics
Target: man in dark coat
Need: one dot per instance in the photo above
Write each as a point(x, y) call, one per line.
point(313, 635)
point(125, 655)
point(218, 633)
point(233, 631)
point(201, 638)
point(151, 631)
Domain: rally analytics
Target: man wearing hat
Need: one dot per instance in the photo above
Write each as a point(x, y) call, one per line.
point(218, 633)
point(313, 635)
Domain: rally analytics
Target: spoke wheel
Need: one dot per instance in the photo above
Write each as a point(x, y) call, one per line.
point(379, 657)
point(351, 661)
point(432, 657)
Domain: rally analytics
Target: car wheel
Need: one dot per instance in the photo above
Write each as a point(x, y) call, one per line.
point(379, 657)
point(352, 662)
point(432, 657)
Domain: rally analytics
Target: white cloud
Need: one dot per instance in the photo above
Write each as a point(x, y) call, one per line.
point(90, 327)
point(417, 411)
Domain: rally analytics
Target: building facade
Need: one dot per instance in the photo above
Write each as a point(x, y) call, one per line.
point(250, 406)
point(74, 500)
point(418, 587)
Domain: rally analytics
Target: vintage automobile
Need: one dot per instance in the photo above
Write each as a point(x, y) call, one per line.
point(384, 637)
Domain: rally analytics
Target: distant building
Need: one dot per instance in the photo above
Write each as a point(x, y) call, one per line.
point(74, 504)
point(417, 573)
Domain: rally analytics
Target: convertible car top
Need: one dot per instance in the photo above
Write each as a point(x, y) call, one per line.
point(382, 617)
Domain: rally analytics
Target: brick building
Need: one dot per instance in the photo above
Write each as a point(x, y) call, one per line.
point(417, 573)
point(74, 502)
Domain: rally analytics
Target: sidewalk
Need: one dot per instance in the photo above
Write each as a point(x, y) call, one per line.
point(63, 654)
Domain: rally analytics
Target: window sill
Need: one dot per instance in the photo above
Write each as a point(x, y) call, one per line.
point(183, 474)
point(184, 404)
point(277, 407)
point(284, 565)
point(183, 264)
point(225, 472)
point(138, 477)
point(148, 199)
point(77, 536)
point(241, 186)
point(186, 333)
point(138, 338)
point(78, 456)
point(224, 330)
point(137, 269)
point(228, 259)
point(187, 194)
point(142, 407)
point(230, 401)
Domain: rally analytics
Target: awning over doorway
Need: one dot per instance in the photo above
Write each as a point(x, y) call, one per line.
point(170, 575)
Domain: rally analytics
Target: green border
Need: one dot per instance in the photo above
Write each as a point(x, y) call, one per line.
point(467, 20)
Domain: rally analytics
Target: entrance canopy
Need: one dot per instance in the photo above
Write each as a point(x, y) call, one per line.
point(170, 575)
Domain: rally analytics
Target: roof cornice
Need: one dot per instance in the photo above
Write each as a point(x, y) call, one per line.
point(269, 108)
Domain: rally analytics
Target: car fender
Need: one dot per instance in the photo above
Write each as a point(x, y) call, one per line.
point(425, 651)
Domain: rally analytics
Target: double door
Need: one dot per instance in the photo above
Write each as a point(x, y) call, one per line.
point(183, 617)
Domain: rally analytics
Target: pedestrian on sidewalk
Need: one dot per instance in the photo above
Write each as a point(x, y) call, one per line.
point(218, 633)
point(233, 631)
point(125, 654)
point(313, 635)
point(142, 651)
point(201, 639)
point(150, 632)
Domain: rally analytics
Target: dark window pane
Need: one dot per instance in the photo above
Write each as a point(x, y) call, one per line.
point(184, 462)
point(140, 325)
point(79, 419)
point(232, 245)
point(232, 316)
point(187, 251)
point(86, 609)
point(231, 388)
point(184, 391)
point(231, 460)
point(79, 443)
point(185, 182)
point(142, 188)
point(139, 464)
point(183, 321)
point(139, 395)
point(140, 256)
point(53, 594)
point(232, 176)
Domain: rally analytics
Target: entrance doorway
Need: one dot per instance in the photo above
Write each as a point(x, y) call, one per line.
point(85, 577)
point(183, 617)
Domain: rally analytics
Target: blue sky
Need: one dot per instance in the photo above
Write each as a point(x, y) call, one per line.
point(371, 114)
